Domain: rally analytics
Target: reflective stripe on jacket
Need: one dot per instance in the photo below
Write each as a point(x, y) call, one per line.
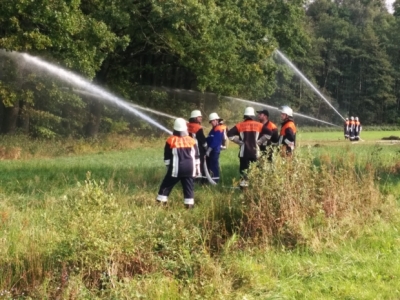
point(249, 132)
point(181, 155)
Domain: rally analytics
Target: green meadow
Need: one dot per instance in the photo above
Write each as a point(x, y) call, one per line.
point(79, 220)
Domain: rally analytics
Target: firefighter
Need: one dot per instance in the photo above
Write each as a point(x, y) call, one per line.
point(287, 137)
point(346, 128)
point(357, 129)
point(181, 157)
point(214, 142)
point(196, 131)
point(247, 135)
point(224, 144)
point(352, 129)
point(271, 132)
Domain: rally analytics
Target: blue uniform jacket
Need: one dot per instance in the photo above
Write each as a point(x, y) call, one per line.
point(215, 137)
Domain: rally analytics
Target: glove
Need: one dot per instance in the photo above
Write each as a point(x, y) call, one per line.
point(261, 140)
point(198, 172)
point(237, 140)
point(223, 147)
point(208, 152)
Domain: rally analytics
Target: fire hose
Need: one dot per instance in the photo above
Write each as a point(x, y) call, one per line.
point(208, 176)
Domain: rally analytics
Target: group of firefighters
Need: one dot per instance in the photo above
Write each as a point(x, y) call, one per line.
point(352, 129)
point(189, 154)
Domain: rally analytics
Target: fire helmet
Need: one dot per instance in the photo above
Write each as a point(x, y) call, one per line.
point(180, 124)
point(286, 110)
point(195, 113)
point(249, 111)
point(213, 116)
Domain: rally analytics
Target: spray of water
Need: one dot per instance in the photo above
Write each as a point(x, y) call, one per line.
point(80, 82)
point(250, 102)
point(156, 112)
point(275, 108)
point(301, 75)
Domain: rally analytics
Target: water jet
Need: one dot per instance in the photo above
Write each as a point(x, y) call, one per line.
point(304, 78)
point(78, 81)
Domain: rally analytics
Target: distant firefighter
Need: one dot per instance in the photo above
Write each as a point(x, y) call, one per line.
point(346, 129)
point(352, 129)
point(357, 129)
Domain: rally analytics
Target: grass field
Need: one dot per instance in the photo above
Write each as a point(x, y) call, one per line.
point(84, 224)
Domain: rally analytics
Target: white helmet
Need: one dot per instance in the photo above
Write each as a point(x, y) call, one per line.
point(287, 110)
point(213, 116)
point(196, 113)
point(356, 118)
point(352, 118)
point(347, 119)
point(249, 111)
point(180, 124)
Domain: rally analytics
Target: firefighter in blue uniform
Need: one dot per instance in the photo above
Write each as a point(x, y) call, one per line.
point(181, 156)
point(214, 142)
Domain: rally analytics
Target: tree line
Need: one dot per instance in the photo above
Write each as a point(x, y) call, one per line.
point(348, 48)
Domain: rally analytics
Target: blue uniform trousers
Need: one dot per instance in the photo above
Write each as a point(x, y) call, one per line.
point(213, 165)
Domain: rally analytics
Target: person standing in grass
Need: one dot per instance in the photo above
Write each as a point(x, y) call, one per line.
point(287, 137)
point(352, 129)
point(346, 128)
point(248, 134)
point(181, 156)
point(196, 131)
point(214, 142)
point(357, 129)
point(271, 134)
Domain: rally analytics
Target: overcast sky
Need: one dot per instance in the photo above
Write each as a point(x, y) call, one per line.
point(389, 5)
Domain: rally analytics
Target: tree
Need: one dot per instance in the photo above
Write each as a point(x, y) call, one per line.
point(56, 30)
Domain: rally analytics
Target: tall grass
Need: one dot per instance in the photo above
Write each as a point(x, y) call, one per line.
point(309, 227)
point(296, 202)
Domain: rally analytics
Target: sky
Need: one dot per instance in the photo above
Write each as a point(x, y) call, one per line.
point(389, 5)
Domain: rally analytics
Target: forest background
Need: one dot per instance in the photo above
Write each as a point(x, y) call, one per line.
point(140, 50)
